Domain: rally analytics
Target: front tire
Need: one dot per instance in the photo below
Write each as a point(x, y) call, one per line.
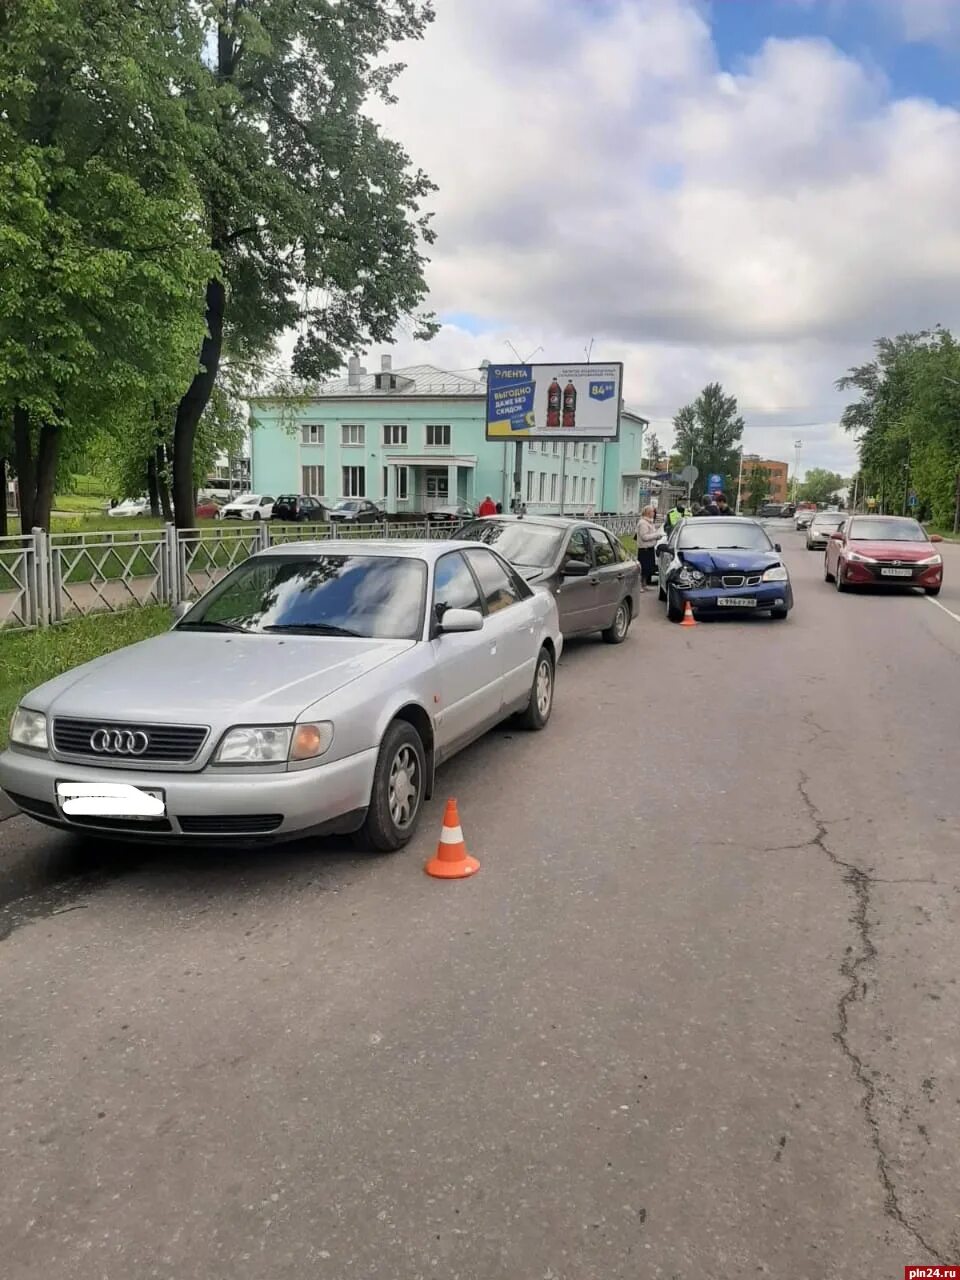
point(778, 614)
point(827, 575)
point(932, 591)
point(540, 705)
point(841, 585)
point(399, 783)
point(674, 605)
point(616, 633)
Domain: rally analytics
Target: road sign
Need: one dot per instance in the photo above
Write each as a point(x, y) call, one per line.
point(714, 484)
point(912, 499)
point(689, 474)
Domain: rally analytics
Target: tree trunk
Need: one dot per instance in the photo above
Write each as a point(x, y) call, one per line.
point(163, 489)
point(26, 472)
point(3, 497)
point(191, 407)
point(36, 472)
point(152, 486)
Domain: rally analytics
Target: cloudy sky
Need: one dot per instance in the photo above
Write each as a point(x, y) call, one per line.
point(747, 191)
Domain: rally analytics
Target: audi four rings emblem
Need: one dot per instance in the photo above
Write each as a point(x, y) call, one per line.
point(119, 742)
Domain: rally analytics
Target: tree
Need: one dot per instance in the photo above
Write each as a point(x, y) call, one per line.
point(821, 486)
point(313, 213)
point(654, 452)
point(101, 253)
point(758, 488)
point(708, 432)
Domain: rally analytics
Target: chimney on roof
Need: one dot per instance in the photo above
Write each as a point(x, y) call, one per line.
point(386, 364)
point(353, 372)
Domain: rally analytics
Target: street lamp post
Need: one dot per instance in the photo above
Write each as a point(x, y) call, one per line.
point(797, 446)
point(956, 500)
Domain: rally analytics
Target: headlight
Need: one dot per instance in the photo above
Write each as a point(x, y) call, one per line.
point(690, 577)
point(855, 555)
point(777, 574)
point(275, 743)
point(29, 729)
point(936, 559)
point(259, 744)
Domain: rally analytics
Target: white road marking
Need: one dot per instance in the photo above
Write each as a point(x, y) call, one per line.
point(954, 616)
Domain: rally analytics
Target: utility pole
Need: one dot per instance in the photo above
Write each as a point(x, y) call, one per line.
point(739, 481)
point(563, 474)
point(518, 455)
point(797, 445)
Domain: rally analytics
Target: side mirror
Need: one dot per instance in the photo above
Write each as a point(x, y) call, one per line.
point(777, 546)
point(575, 568)
point(935, 537)
point(456, 620)
point(181, 610)
point(836, 537)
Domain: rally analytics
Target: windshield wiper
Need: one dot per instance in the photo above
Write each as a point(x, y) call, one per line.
point(211, 626)
point(315, 628)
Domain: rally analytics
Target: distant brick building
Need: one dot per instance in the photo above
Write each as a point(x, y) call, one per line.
point(777, 476)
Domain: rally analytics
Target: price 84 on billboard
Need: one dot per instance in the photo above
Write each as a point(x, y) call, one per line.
point(553, 401)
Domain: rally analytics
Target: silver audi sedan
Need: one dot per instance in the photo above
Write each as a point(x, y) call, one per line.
point(315, 689)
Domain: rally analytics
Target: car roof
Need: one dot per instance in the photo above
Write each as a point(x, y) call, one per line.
point(893, 519)
point(548, 522)
point(402, 549)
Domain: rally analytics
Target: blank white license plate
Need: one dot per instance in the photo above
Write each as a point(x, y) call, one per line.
point(896, 573)
point(736, 602)
point(110, 800)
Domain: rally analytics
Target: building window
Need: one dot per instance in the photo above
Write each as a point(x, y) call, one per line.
point(395, 435)
point(593, 452)
point(593, 490)
point(355, 481)
point(556, 448)
point(311, 433)
point(583, 488)
point(312, 481)
point(529, 486)
point(543, 486)
point(576, 448)
point(553, 487)
point(352, 435)
point(438, 436)
point(402, 491)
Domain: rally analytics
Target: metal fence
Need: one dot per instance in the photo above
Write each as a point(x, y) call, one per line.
point(46, 579)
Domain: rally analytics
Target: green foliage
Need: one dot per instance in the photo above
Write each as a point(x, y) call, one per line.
point(820, 485)
point(907, 421)
point(709, 431)
point(758, 488)
point(29, 658)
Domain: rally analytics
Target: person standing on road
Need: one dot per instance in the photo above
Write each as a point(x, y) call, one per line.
point(674, 516)
point(709, 507)
point(487, 507)
point(648, 535)
point(722, 507)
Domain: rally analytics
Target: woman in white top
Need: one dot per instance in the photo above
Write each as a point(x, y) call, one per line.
point(648, 535)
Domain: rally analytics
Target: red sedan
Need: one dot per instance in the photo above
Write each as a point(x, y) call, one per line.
point(207, 509)
point(886, 551)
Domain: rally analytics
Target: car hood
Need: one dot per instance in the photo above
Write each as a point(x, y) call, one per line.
point(907, 551)
point(206, 677)
point(725, 561)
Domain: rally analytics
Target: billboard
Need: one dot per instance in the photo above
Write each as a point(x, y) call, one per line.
point(553, 401)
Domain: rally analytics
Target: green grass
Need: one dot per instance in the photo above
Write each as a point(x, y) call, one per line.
point(29, 658)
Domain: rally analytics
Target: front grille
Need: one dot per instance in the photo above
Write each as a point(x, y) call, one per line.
point(732, 580)
point(167, 743)
point(231, 824)
point(133, 825)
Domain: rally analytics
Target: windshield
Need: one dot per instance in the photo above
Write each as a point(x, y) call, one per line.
point(347, 506)
point(725, 534)
point(518, 541)
point(377, 597)
point(251, 500)
point(886, 531)
point(828, 522)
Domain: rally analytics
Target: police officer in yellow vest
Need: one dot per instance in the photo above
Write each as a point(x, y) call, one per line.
point(674, 516)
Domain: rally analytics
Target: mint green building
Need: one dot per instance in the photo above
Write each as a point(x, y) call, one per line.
point(413, 439)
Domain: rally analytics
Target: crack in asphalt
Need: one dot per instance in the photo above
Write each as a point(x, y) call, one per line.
point(860, 882)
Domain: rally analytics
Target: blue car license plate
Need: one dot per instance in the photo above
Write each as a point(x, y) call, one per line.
point(736, 602)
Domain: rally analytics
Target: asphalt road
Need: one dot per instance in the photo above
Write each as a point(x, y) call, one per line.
point(696, 1016)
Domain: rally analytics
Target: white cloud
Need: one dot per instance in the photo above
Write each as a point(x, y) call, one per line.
point(600, 176)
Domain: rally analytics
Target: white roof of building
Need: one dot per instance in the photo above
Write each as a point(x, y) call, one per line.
point(414, 380)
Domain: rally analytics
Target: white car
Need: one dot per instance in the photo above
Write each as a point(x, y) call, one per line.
point(129, 507)
point(249, 506)
point(326, 682)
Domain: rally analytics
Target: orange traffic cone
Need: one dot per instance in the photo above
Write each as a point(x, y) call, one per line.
point(452, 861)
point(688, 619)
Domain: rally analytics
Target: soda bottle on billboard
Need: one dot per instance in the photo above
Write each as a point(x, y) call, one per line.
point(554, 401)
point(570, 405)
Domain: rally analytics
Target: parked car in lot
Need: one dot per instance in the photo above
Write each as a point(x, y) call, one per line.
point(803, 517)
point(584, 566)
point(356, 511)
point(315, 689)
point(719, 564)
point(823, 524)
point(129, 507)
point(207, 508)
point(249, 506)
point(299, 508)
point(770, 511)
point(883, 551)
point(453, 514)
